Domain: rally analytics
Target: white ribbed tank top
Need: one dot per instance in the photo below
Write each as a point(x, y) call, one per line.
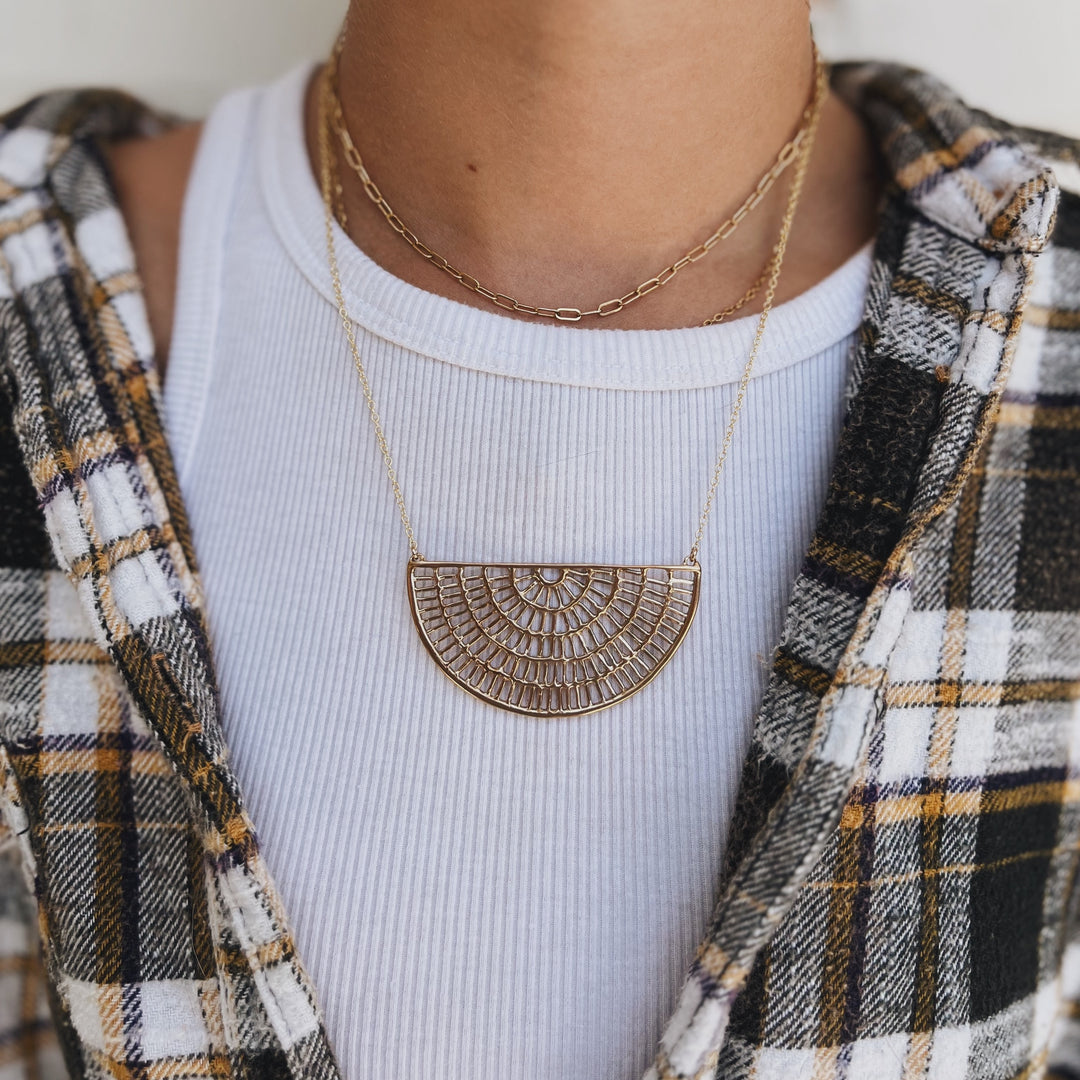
point(475, 893)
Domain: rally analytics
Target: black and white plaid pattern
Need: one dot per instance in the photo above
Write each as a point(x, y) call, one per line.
point(898, 900)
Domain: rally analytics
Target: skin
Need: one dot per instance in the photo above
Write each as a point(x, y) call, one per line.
point(151, 176)
point(562, 152)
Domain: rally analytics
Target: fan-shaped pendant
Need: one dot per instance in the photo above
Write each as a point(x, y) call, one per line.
point(552, 640)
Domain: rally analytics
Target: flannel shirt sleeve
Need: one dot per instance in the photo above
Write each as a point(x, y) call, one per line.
point(29, 1049)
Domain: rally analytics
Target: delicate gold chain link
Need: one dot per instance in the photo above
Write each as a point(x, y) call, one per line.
point(820, 87)
point(346, 322)
point(333, 205)
point(746, 297)
point(788, 154)
point(713, 320)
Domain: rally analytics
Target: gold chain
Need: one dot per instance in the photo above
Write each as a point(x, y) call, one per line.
point(746, 297)
point(820, 87)
point(346, 322)
point(331, 192)
point(713, 320)
point(788, 153)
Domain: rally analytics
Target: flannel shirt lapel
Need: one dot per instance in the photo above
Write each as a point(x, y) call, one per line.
point(233, 997)
point(964, 213)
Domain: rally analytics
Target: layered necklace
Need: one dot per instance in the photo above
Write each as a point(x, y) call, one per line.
point(555, 640)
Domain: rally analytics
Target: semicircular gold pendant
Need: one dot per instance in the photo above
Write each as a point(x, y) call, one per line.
point(552, 641)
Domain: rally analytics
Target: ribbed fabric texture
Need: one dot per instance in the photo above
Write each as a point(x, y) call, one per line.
point(565, 870)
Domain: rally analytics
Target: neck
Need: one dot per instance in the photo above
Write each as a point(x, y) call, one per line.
point(568, 150)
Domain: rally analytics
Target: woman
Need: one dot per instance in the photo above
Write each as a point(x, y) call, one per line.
point(842, 799)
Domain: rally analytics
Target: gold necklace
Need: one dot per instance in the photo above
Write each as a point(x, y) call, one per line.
point(568, 639)
point(789, 152)
point(713, 320)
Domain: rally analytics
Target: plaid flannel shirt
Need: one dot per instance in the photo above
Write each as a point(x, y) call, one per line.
point(899, 897)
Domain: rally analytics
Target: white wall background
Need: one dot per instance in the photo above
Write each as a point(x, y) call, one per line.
point(1018, 58)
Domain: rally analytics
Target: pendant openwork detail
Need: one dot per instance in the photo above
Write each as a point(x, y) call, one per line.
point(552, 641)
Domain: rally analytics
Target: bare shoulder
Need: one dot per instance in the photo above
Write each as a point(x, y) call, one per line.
point(151, 177)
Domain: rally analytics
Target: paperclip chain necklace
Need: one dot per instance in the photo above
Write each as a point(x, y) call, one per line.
point(789, 152)
point(570, 639)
